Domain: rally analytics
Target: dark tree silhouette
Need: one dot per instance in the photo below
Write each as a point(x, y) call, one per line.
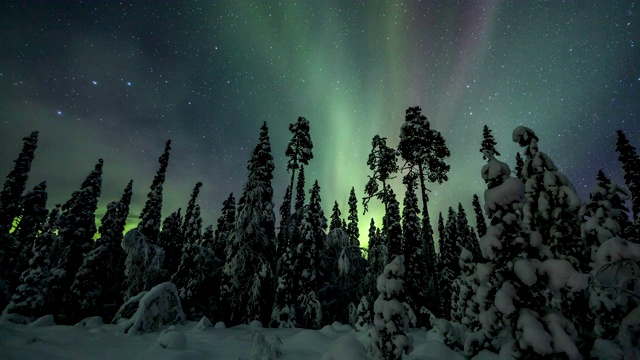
point(481, 224)
point(352, 226)
point(383, 161)
point(151, 214)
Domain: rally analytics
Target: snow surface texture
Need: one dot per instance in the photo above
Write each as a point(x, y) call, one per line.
point(186, 341)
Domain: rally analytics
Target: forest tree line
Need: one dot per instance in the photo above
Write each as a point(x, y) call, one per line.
point(538, 258)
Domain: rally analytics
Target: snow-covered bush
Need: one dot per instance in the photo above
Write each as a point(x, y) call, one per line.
point(154, 308)
point(263, 348)
point(364, 315)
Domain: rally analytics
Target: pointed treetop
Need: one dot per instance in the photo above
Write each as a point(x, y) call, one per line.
point(488, 147)
point(299, 149)
point(336, 220)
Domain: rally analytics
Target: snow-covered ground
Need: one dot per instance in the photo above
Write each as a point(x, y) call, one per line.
point(94, 340)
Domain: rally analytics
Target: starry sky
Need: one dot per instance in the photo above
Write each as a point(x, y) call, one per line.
point(115, 80)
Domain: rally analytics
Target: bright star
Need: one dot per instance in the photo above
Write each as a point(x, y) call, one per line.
point(94, 82)
point(59, 112)
point(128, 83)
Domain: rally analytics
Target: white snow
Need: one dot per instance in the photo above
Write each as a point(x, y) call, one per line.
point(526, 271)
point(512, 189)
point(562, 274)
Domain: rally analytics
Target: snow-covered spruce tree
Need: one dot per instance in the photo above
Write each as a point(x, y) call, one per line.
point(31, 296)
point(481, 225)
point(415, 285)
point(208, 238)
point(10, 204)
point(195, 269)
point(336, 294)
point(450, 269)
point(32, 218)
point(224, 227)
point(299, 151)
point(392, 228)
point(98, 280)
point(283, 237)
point(389, 338)
point(425, 153)
point(364, 315)
point(251, 264)
point(630, 160)
point(616, 306)
point(466, 235)
point(516, 305)
point(171, 240)
point(604, 215)
point(151, 214)
point(352, 226)
point(336, 219)
point(143, 269)
point(192, 223)
point(283, 314)
point(300, 194)
point(552, 202)
point(77, 227)
point(308, 267)
point(376, 259)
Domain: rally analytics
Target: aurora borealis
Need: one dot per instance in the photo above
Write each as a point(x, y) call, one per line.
point(116, 80)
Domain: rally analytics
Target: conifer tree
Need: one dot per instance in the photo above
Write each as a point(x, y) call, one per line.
point(97, 281)
point(77, 227)
point(449, 254)
point(190, 229)
point(389, 338)
point(151, 214)
point(31, 220)
point(336, 220)
point(299, 149)
point(251, 264)
point(283, 314)
point(208, 238)
point(552, 202)
point(466, 235)
point(519, 166)
point(630, 160)
point(285, 223)
point(31, 296)
point(481, 225)
point(10, 197)
point(171, 239)
point(376, 258)
point(416, 286)
point(383, 162)
point(424, 151)
point(604, 215)
point(352, 226)
point(392, 228)
point(300, 193)
point(224, 228)
point(364, 314)
point(520, 287)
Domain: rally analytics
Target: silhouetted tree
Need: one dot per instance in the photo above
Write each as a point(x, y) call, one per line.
point(481, 225)
point(151, 214)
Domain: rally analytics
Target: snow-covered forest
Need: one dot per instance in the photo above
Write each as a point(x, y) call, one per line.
point(542, 274)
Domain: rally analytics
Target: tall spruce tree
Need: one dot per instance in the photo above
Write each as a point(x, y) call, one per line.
point(151, 214)
point(97, 281)
point(77, 227)
point(251, 264)
point(377, 259)
point(481, 224)
point(299, 149)
point(190, 229)
point(10, 196)
point(32, 218)
point(171, 239)
point(449, 254)
point(224, 227)
point(352, 226)
point(336, 220)
point(416, 287)
point(630, 160)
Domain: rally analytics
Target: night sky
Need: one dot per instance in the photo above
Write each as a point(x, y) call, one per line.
point(116, 80)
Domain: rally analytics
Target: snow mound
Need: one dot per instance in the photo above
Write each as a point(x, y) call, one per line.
point(172, 339)
point(14, 319)
point(220, 325)
point(90, 322)
point(308, 339)
point(263, 348)
point(204, 323)
point(256, 324)
point(158, 307)
point(46, 320)
point(346, 347)
point(432, 350)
